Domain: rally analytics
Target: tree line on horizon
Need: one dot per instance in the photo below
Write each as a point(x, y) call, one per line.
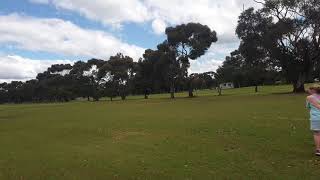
point(162, 70)
point(278, 43)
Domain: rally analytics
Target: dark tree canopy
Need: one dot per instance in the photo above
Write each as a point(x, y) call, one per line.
point(292, 39)
point(117, 74)
point(189, 42)
point(252, 29)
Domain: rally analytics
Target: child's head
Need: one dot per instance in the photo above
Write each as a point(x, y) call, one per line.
point(315, 89)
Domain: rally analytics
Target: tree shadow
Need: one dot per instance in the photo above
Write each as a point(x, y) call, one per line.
point(288, 93)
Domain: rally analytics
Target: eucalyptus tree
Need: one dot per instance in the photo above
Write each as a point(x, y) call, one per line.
point(252, 30)
point(188, 42)
point(93, 81)
point(117, 74)
point(292, 39)
point(82, 87)
point(147, 78)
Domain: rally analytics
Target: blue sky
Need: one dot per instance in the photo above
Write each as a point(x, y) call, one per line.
point(38, 33)
point(132, 33)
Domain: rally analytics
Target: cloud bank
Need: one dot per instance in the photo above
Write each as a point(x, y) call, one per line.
point(61, 37)
point(219, 15)
point(17, 68)
point(58, 36)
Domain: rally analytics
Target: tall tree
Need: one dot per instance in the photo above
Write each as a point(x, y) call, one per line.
point(293, 39)
point(118, 72)
point(189, 42)
point(82, 86)
point(93, 79)
point(146, 79)
point(252, 29)
point(168, 67)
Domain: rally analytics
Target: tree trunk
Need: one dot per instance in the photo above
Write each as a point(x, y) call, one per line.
point(220, 91)
point(172, 93)
point(123, 92)
point(191, 92)
point(256, 89)
point(146, 93)
point(111, 98)
point(88, 98)
point(172, 90)
point(298, 86)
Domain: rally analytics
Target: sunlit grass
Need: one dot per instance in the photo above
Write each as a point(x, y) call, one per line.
point(240, 135)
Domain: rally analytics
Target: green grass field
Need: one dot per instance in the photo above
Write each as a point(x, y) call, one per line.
point(240, 135)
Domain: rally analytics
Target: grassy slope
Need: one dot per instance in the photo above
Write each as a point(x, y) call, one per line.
point(240, 135)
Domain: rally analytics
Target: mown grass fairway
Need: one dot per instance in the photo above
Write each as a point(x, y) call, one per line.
point(240, 135)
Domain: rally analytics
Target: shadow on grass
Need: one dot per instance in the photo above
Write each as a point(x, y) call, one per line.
point(288, 93)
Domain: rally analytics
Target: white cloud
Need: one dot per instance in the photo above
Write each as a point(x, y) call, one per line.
point(65, 38)
point(208, 62)
point(17, 68)
point(109, 12)
point(220, 15)
point(204, 66)
point(61, 37)
point(213, 58)
point(159, 26)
